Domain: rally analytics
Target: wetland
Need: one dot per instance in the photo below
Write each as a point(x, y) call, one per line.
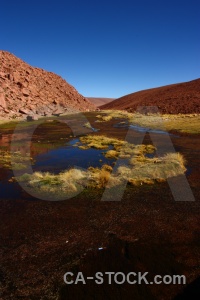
point(73, 159)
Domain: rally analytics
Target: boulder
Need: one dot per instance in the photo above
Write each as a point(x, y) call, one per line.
point(58, 111)
point(16, 77)
point(32, 118)
point(24, 111)
point(25, 92)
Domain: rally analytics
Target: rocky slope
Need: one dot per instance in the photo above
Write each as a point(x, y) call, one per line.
point(27, 91)
point(172, 99)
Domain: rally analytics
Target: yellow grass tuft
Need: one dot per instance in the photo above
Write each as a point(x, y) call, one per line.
point(15, 160)
point(87, 125)
point(175, 158)
point(107, 168)
point(99, 141)
point(111, 154)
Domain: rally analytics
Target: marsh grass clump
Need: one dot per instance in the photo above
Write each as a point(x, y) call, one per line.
point(64, 183)
point(99, 141)
point(153, 169)
point(130, 150)
point(103, 118)
point(102, 177)
point(99, 177)
point(98, 116)
point(68, 182)
point(111, 154)
point(108, 115)
point(15, 160)
point(83, 147)
point(87, 125)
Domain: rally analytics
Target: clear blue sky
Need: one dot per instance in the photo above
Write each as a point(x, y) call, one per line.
point(106, 48)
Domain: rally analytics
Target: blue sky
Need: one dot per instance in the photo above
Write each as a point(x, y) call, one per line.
point(106, 48)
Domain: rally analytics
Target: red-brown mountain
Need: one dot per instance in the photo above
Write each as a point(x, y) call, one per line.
point(100, 101)
point(25, 90)
point(172, 99)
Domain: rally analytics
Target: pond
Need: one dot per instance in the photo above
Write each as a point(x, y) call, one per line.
point(69, 156)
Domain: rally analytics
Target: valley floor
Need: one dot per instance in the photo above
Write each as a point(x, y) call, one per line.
point(146, 231)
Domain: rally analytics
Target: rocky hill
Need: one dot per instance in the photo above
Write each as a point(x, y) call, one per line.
point(27, 91)
point(99, 101)
point(172, 99)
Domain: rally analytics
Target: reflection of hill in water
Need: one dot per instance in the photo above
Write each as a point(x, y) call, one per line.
point(4, 174)
point(19, 143)
point(5, 140)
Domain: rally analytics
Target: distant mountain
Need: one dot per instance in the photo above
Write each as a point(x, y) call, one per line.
point(99, 101)
point(172, 99)
point(25, 90)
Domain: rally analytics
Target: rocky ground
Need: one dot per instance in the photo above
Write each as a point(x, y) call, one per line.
point(27, 91)
point(171, 99)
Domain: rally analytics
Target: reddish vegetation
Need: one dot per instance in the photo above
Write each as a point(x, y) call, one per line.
point(172, 99)
point(25, 90)
point(100, 101)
